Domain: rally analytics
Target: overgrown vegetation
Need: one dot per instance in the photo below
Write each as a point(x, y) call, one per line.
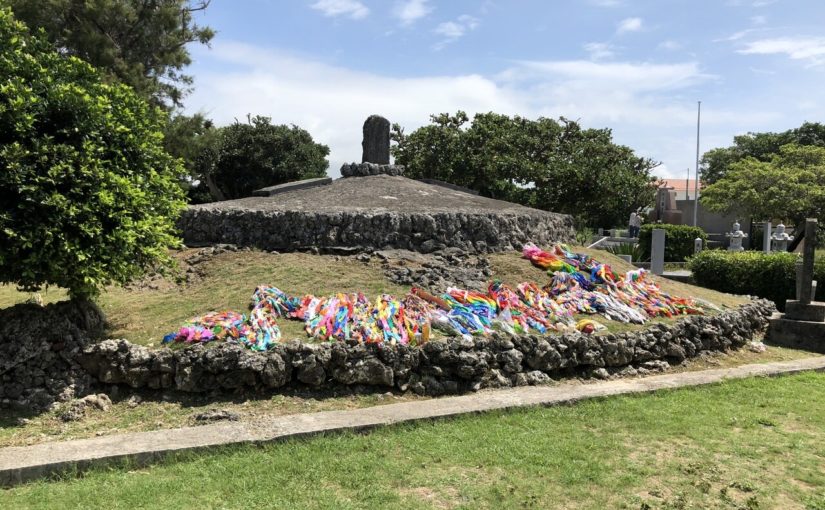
point(89, 195)
point(544, 163)
point(679, 240)
point(752, 443)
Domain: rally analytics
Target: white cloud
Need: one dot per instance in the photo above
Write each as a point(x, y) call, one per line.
point(450, 29)
point(606, 3)
point(629, 25)
point(640, 101)
point(811, 49)
point(759, 20)
point(599, 51)
point(410, 11)
point(348, 8)
point(670, 45)
point(454, 30)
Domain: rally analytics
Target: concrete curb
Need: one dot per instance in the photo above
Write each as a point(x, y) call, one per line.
point(22, 464)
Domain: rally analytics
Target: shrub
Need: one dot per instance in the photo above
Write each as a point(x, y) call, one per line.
point(89, 196)
point(256, 154)
point(770, 276)
point(678, 240)
point(634, 250)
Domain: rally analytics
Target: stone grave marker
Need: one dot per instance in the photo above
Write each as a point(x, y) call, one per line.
point(657, 251)
point(803, 323)
point(376, 142)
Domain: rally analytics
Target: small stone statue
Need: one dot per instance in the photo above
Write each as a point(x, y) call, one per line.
point(780, 239)
point(736, 236)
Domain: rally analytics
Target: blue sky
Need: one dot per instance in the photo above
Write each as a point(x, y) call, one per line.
point(635, 66)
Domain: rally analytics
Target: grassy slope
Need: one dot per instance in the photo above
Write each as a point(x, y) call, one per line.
point(755, 443)
point(144, 316)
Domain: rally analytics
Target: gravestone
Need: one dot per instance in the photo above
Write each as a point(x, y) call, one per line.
point(803, 323)
point(657, 251)
point(806, 279)
point(766, 237)
point(376, 142)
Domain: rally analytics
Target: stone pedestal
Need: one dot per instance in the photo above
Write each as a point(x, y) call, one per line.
point(802, 325)
point(796, 334)
point(798, 311)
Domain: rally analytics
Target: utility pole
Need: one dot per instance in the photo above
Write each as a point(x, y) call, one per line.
point(687, 185)
point(696, 183)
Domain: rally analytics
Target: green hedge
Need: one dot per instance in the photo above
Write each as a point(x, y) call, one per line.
point(678, 240)
point(770, 276)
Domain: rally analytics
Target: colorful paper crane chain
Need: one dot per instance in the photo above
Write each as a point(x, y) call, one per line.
point(579, 285)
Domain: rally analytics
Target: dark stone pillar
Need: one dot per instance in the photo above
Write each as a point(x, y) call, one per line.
point(376, 142)
point(808, 261)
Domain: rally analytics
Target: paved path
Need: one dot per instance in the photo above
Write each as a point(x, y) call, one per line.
point(21, 464)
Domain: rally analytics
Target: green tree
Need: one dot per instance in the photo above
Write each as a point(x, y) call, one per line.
point(255, 154)
point(790, 187)
point(543, 163)
point(186, 137)
point(89, 196)
point(761, 146)
point(142, 43)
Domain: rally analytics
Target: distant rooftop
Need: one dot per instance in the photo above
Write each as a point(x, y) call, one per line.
point(682, 187)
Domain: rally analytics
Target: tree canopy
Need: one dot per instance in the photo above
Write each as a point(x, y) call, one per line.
point(790, 186)
point(142, 43)
point(89, 196)
point(716, 163)
point(246, 156)
point(543, 163)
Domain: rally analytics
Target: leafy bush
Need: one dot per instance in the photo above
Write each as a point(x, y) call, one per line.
point(256, 154)
point(767, 275)
point(678, 240)
point(88, 194)
point(634, 250)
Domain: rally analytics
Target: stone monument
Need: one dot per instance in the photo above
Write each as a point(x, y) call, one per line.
point(736, 236)
point(657, 251)
point(780, 238)
point(375, 159)
point(376, 142)
point(803, 323)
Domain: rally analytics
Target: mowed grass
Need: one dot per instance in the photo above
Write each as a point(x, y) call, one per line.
point(144, 315)
point(754, 443)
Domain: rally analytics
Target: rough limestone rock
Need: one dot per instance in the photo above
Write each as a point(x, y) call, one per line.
point(367, 169)
point(454, 365)
point(39, 346)
point(364, 214)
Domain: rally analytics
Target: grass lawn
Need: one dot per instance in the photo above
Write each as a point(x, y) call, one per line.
point(754, 443)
